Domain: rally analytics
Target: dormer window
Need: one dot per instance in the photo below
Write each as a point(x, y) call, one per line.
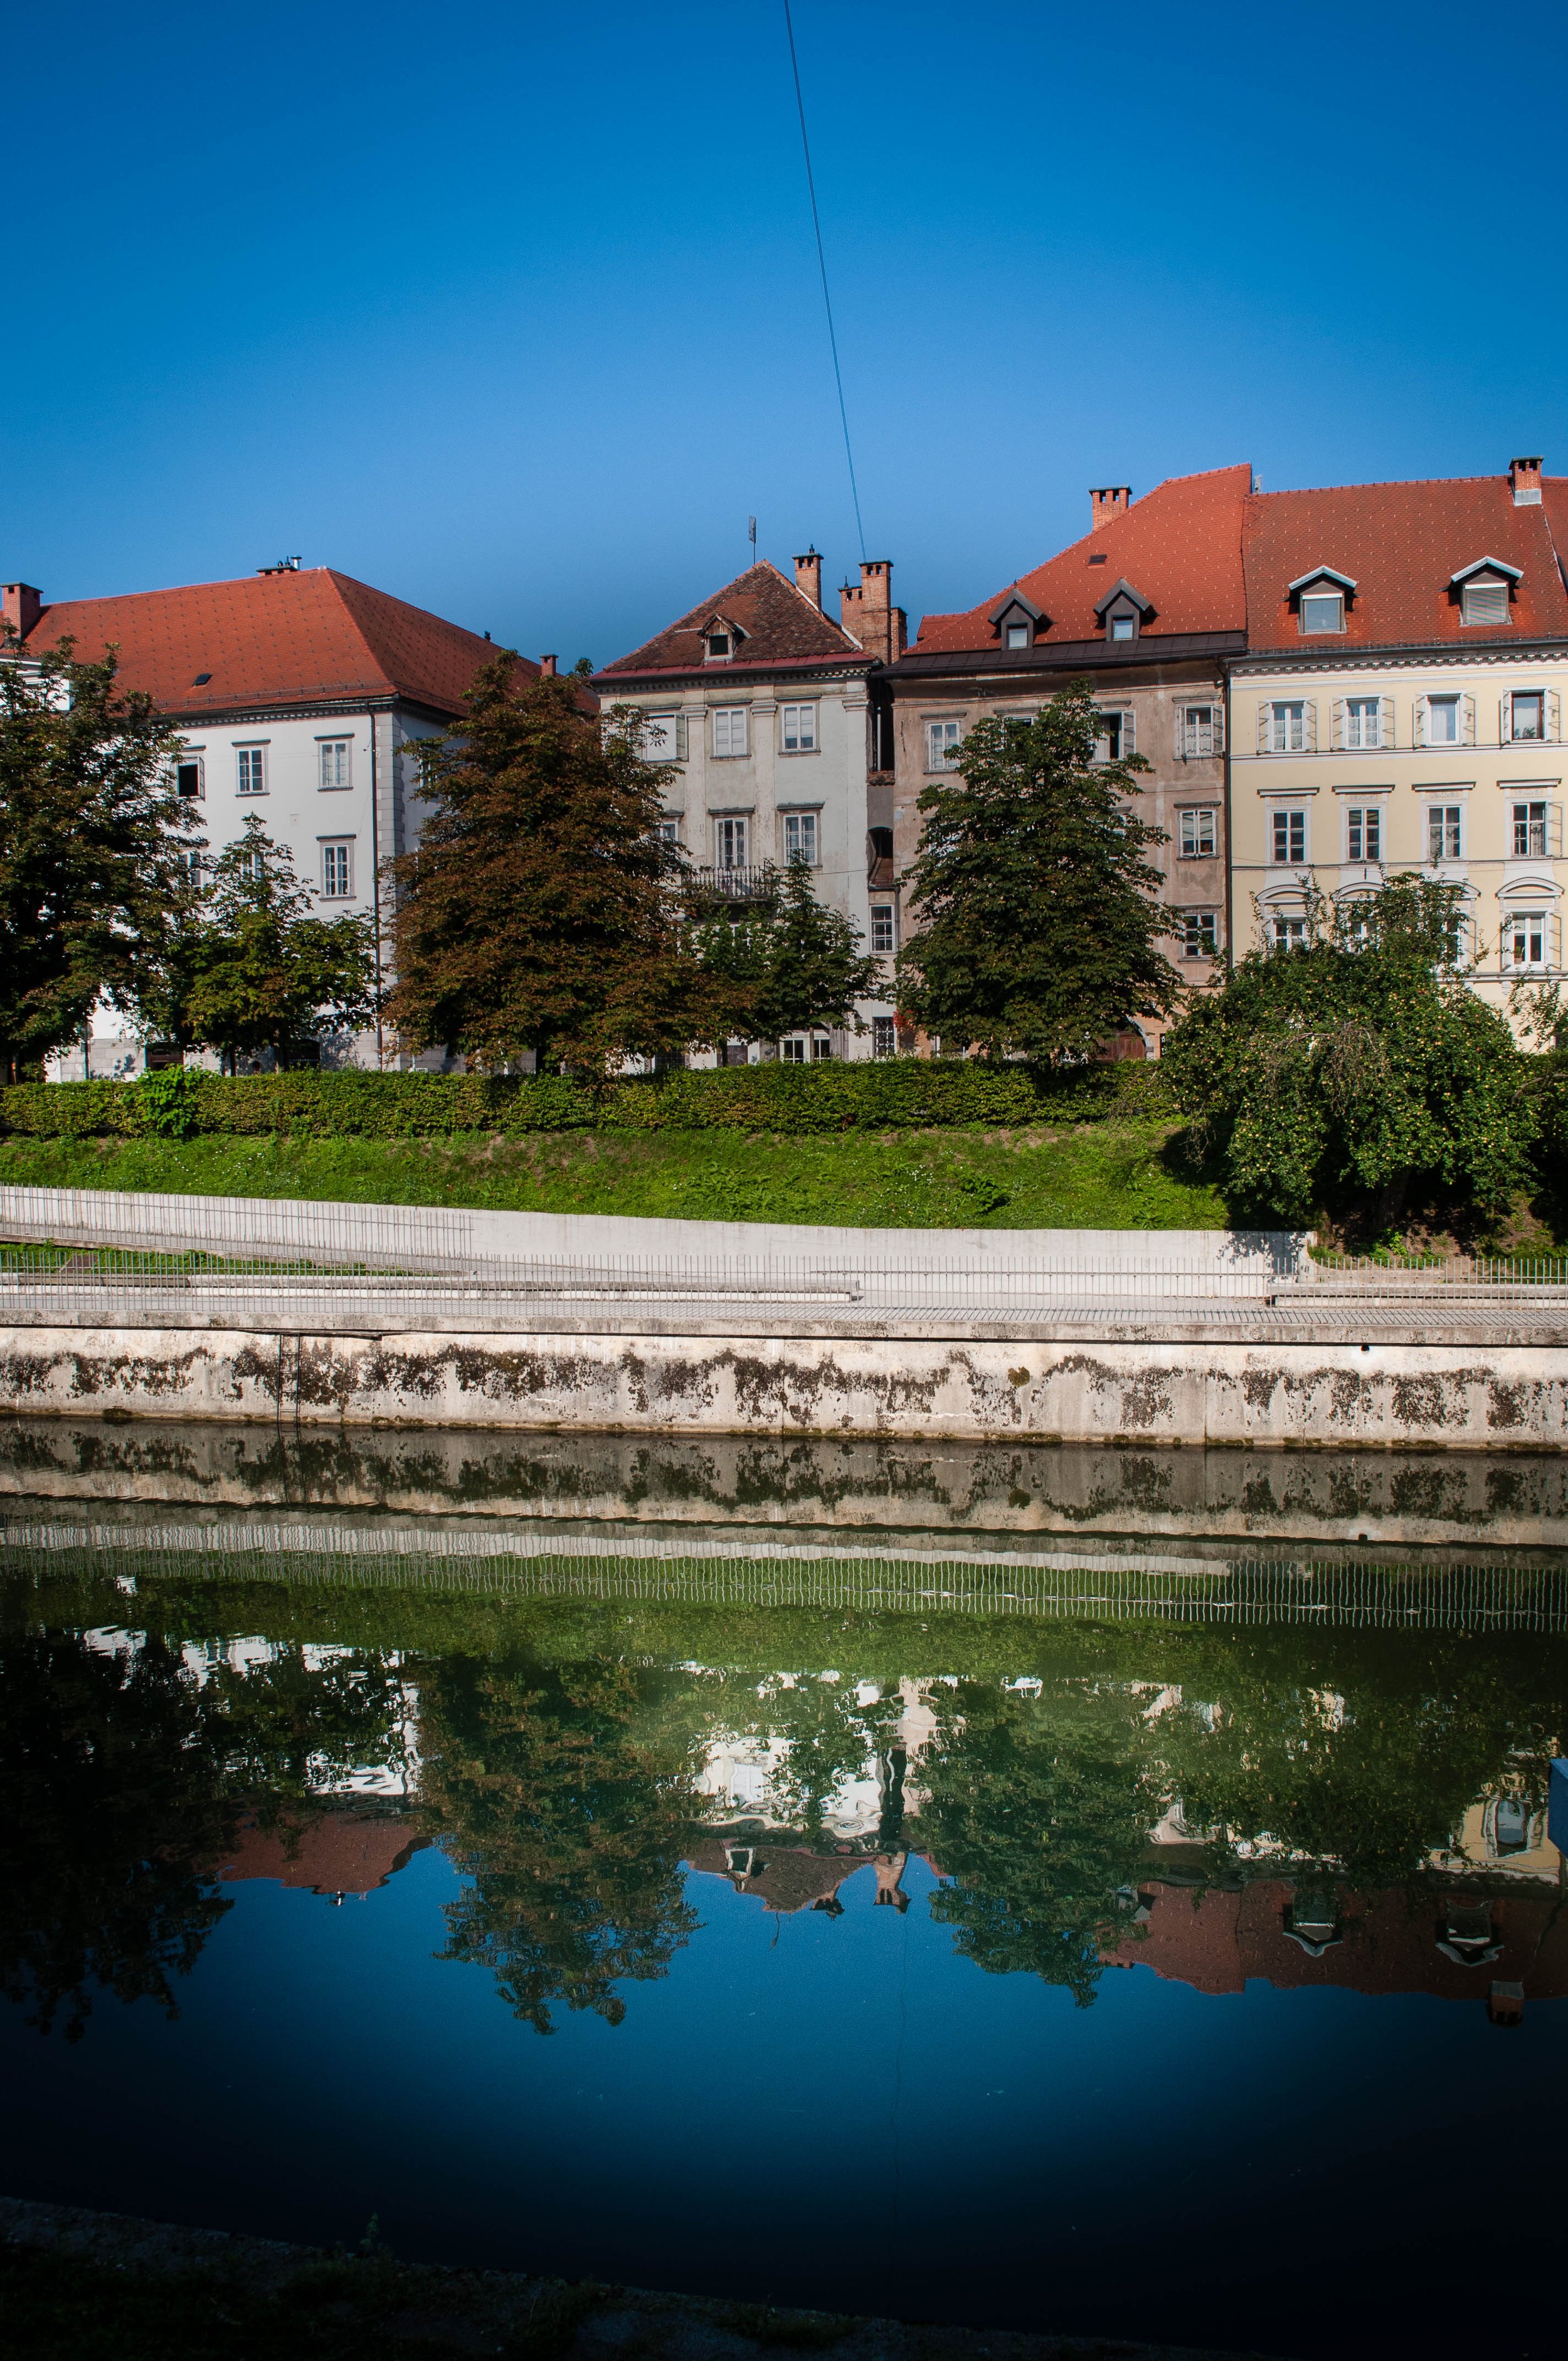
point(1123, 612)
point(1485, 591)
point(718, 643)
point(1018, 635)
point(1018, 621)
point(1321, 599)
point(721, 639)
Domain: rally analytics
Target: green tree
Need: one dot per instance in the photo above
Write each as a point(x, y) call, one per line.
point(785, 965)
point(1038, 919)
point(92, 841)
point(261, 973)
point(540, 911)
point(1351, 1071)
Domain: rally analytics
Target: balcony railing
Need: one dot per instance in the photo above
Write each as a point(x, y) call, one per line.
point(751, 884)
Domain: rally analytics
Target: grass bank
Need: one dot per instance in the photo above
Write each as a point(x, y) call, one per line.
point(1112, 1174)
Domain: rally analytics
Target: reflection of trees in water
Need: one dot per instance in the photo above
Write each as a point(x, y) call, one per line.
point(124, 1775)
point(568, 1817)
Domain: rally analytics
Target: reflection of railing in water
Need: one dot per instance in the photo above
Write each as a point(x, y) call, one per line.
point(1047, 1585)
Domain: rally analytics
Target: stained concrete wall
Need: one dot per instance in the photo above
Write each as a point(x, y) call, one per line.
point(1450, 1396)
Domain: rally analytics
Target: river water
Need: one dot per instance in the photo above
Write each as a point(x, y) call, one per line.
point(1052, 1890)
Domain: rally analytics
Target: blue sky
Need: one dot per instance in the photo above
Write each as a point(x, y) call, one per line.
point(514, 310)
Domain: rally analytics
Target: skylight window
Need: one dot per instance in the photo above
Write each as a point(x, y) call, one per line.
point(201, 680)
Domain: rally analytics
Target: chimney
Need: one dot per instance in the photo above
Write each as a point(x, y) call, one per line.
point(808, 577)
point(867, 613)
point(547, 667)
point(1524, 475)
point(1109, 500)
point(20, 607)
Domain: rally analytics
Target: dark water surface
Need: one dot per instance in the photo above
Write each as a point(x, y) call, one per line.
point(1018, 1921)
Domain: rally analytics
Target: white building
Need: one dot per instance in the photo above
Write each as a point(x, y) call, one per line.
point(298, 694)
point(764, 703)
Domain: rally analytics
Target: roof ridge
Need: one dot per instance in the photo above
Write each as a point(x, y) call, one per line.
point(1385, 484)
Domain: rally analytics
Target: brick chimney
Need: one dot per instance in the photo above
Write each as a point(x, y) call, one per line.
point(1524, 475)
point(808, 577)
point(547, 667)
point(20, 607)
point(1109, 500)
point(867, 612)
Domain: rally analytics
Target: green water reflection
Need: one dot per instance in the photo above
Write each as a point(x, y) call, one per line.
point(1380, 1797)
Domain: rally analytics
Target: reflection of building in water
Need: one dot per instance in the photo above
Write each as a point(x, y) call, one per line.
point(1499, 1948)
point(790, 1877)
point(341, 1853)
point(745, 1774)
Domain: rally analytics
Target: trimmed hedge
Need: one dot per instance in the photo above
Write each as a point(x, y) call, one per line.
point(889, 1095)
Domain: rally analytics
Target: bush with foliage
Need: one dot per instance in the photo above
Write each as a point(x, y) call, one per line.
point(1359, 1066)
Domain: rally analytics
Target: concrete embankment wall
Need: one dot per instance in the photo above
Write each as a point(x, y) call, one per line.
point(1469, 1397)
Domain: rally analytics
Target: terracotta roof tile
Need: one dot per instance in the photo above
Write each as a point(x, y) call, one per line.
point(1402, 543)
point(315, 637)
point(1180, 546)
point(780, 623)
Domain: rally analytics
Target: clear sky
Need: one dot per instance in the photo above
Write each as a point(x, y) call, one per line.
point(514, 310)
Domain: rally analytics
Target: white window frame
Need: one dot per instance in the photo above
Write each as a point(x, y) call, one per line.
point(1335, 599)
point(1365, 819)
point(731, 722)
point(1191, 728)
point(731, 842)
point(1190, 824)
point(1126, 720)
point(1528, 737)
point(943, 739)
point(663, 736)
point(802, 838)
point(798, 722)
point(885, 929)
point(1478, 591)
point(335, 851)
point(1531, 930)
point(1195, 926)
point(251, 767)
point(1287, 730)
point(884, 1036)
point(1358, 712)
point(1291, 814)
point(668, 830)
point(1444, 820)
point(191, 758)
point(334, 755)
point(1534, 810)
point(1288, 930)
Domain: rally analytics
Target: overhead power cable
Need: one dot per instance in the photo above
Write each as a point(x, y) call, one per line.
point(822, 265)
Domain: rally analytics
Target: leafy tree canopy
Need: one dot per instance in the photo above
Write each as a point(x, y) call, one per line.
point(787, 965)
point(1038, 926)
point(541, 911)
point(1361, 1062)
point(254, 970)
point(92, 841)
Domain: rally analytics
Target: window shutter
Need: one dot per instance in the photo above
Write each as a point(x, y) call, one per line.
point(1265, 715)
point(1554, 939)
point(680, 737)
point(1129, 731)
point(1504, 720)
point(1418, 733)
point(1555, 831)
point(1467, 719)
point(1338, 738)
point(1386, 734)
point(1553, 716)
point(1217, 713)
point(1309, 726)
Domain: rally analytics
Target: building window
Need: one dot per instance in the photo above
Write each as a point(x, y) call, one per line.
point(1363, 721)
point(1200, 934)
point(189, 778)
point(1443, 721)
point(799, 728)
point(1197, 835)
point(668, 831)
point(1322, 610)
point(1124, 627)
point(1527, 714)
point(1531, 831)
point(335, 871)
point(1017, 635)
point(885, 1038)
point(1364, 832)
point(717, 646)
point(252, 866)
point(730, 734)
point(1289, 934)
point(664, 738)
point(1445, 832)
point(730, 838)
point(800, 837)
point(1287, 729)
point(1484, 602)
point(1289, 838)
point(882, 930)
point(796, 1049)
point(1524, 939)
point(1108, 745)
point(334, 761)
point(252, 769)
point(1198, 729)
point(942, 746)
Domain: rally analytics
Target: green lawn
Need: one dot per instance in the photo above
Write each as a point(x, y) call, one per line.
point(1104, 1175)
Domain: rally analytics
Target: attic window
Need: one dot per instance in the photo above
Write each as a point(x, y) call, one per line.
point(1018, 635)
point(1122, 623)
point(717, 645)
point(201, 680)
point(1322, 610)
point(1484, 602)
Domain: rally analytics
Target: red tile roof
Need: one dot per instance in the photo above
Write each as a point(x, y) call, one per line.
point(343, 1852)
point(316, 637)
point(1402, 543)
point(1180, 548)
point(781, 624)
